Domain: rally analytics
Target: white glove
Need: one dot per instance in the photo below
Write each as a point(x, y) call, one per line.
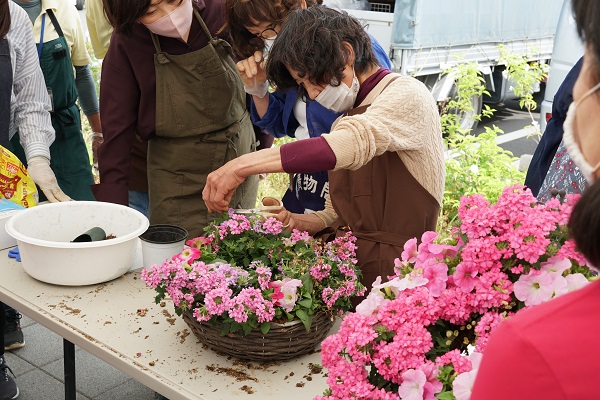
point(41, 173)
point(259, 89)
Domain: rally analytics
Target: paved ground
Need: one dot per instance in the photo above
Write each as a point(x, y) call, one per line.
point(39, 371)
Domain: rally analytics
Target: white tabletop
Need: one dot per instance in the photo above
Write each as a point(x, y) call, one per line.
point(157, 349)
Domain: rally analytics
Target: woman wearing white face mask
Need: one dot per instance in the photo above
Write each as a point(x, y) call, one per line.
point(385, 155)
point(168, 78)
point(254, 27)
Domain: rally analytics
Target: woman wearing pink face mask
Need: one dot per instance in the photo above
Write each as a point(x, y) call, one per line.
point(168, 78)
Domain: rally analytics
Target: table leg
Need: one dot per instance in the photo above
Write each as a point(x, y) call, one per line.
point(69, 361)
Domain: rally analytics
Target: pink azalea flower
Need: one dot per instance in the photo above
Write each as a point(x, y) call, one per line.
point(534, 288)
point(412, 385)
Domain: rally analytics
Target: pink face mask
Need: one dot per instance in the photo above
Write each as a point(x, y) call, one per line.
point(176, 23)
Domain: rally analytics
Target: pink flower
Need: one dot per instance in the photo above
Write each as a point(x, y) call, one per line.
point(277, 294)
point(463, 385)
point(373, 301)
point(575, 281)
point(556, 265)
point(412, 385)
point(437, 275)
point(189, 254)
point(410, 251)
point(198, 242)
point(289, 290)
point(464, 277)
point(534, 288)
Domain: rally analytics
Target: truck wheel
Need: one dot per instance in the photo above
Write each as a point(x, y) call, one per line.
point(79, 4)
point(466, 119)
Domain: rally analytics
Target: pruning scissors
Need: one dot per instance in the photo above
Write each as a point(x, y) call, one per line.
point(263, 211)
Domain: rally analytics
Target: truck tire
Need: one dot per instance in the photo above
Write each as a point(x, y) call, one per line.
point(79, 4)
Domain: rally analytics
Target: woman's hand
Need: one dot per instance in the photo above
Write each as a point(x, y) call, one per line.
point(304, 222)
point(253, 74)
point(220, 185)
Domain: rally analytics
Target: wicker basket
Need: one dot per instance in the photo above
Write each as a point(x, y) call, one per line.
point(283, 342)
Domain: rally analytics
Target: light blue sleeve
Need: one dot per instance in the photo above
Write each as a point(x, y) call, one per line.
point(380, 53)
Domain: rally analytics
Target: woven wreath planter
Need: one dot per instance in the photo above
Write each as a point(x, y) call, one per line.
point(283, 342)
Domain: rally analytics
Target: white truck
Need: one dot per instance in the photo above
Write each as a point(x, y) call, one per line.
point(426, 37)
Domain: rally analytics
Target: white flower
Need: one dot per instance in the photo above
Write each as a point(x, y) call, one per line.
point(474, 169)
point(412, 385)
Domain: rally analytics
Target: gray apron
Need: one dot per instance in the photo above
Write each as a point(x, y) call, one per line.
point(201, 123)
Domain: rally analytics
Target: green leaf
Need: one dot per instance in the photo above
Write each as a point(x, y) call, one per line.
point(445, 396)
point(307, 283)
point(265, 327)
point(305, 318)
point(306, 303)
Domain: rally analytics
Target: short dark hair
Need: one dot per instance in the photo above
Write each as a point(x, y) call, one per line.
point(4, 18)
point(311, 42)
point(584, 224)
point(124, 14)
point(242, 13)
point(587, 18)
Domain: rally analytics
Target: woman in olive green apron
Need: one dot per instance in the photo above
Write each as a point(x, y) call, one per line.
point(69, 156)
point(201, 123)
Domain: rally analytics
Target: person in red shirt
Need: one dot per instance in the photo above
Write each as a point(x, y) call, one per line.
point(551, 351)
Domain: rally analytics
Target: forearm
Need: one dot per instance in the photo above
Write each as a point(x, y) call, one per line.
point(259, 162)
point(95, 123)
point(86, 92)
point(261, 104)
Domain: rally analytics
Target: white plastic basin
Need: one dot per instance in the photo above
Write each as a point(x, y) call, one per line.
point(44, 235)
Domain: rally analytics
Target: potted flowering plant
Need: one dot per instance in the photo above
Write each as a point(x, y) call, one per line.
point(421, 334)
point(247, 276)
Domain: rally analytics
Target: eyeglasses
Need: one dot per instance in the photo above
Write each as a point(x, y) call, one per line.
point(267, 33)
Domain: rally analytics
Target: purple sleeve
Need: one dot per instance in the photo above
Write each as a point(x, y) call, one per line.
point(308, 155)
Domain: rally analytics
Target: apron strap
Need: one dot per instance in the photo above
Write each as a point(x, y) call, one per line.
point(55, 23)
point(6, 83)
point(203, 25)
point(41, 42)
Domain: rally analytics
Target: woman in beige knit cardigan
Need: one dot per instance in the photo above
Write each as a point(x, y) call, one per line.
point(385, 154)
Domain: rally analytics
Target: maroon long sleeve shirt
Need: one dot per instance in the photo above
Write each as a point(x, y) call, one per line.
point(128, 99)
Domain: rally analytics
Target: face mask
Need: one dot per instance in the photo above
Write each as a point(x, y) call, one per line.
point(268, 46)
point(339, 98)
point(571, 144)
point(176, 23)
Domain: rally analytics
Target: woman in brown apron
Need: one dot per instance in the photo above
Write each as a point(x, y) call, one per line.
point(171, 81)
point(385, 154)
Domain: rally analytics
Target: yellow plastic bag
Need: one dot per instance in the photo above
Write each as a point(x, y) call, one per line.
point(15, 183)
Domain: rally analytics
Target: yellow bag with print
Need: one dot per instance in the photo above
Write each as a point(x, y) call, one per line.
point(15, 183)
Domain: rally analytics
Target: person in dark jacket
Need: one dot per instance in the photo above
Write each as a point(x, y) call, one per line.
point(550, 141)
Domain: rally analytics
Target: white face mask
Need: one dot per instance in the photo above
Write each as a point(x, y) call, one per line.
point(339, 98)
point(176, 23)
point(569, 136)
